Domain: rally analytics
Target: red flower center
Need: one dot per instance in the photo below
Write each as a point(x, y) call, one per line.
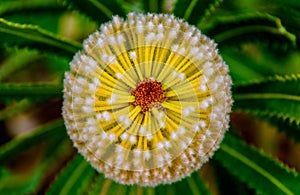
point(148, 93)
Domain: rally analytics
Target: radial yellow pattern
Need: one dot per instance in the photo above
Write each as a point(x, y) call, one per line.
point(147, 100)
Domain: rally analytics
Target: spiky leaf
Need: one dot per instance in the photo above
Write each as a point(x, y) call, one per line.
point(31, 36)
point(264, 174)
point(291, 129)
point(277, 96)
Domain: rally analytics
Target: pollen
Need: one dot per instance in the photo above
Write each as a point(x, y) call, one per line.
point(148, 93)
point(147, 100)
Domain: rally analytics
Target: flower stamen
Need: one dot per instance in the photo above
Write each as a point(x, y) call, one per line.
point(148, 93)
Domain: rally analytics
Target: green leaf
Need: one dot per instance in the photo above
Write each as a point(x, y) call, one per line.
point(197, 185)
point(25, 141)
point(258, 171)
point(190, 185)
point(9, 6)
point(109, 187)
point(292, 130)
point(96, 185)
point(153, 5)
point(236, 28)
point(242, 69)
point(31, 36)
point(253, 62)
point(29, 183)
point(20, 184)
point(193, 10)
point(15, 62)
point(227, 183)
point(287, 11)
point(74, 178)
point(10, 91)
point(45, 13)
point(277, 96)
point(15, 108)
point(98, 10)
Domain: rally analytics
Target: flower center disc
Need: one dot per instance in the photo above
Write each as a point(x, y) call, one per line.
point(148, 93)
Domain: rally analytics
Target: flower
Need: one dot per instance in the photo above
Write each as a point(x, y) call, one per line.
point(147, 100)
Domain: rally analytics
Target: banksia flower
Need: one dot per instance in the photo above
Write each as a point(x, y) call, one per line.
point(147, 100)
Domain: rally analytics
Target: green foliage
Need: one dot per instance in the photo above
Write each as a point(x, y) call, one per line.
point(71, 181)
point(98, 10)
point(194, 10)
point(15, 108)
point(20, 183)
point(9, 91)
point(26, 35)
point(266, 97)
point(15, 62)
point(259, 40)
point(23, 142)
point(243, 27)
point(153, 5)
point(264, 174)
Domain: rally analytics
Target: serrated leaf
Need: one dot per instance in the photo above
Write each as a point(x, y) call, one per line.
point(98, 10)
point(193, 10)
point(236, 28)
point(258, 171)
point(255, 63)
point(9, 91)
point(292, 130)
point(74, 178)
point(277, 96)
point(42, 13)
point(31, 36)
point(23, 142)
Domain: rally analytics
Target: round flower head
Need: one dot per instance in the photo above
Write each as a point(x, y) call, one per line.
point(147, 100)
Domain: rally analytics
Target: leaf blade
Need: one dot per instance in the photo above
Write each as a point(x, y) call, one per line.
point(241, 27)
point(21, 143)
point(265, 98)
point(10, 91)
point(260, 172)
point(31, 36)
point(73, 182)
